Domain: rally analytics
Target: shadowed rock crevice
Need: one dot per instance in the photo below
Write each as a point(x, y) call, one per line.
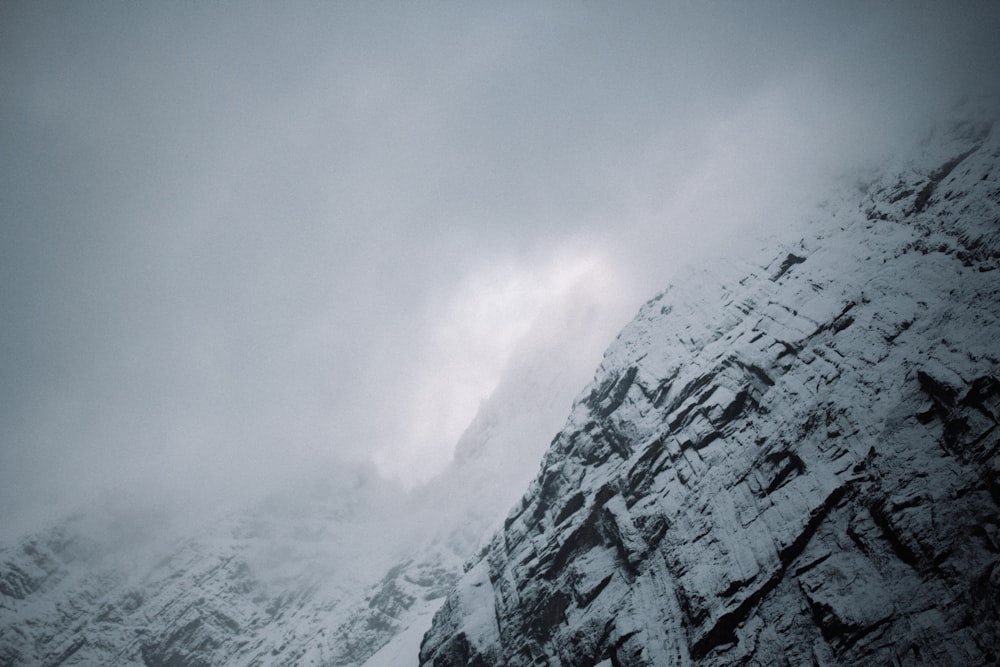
point(790, 260)
point(924, 196)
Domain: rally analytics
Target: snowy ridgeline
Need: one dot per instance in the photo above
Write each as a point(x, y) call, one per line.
point(786, 458)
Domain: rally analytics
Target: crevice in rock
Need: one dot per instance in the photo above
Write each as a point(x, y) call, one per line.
point(790, 464)
point(789, 261)
point(735, 408)
point(616, 659)
point(583, 538)
point(924, 196)
point(609, 397)
point(938, 391)
point(723, 631)
point(899, 547)
point(571, 507)
point(586, 597)
point(835, 630)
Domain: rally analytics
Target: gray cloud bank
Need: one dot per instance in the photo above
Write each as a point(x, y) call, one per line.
point(240, 240)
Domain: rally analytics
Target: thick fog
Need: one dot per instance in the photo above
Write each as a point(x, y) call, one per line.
point(243, 240)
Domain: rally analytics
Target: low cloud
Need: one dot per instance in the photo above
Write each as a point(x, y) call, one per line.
point(244, 241)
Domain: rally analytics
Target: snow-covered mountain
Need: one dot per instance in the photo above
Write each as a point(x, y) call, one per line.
point(344, 569)
point(256, 587)
point(788, 457)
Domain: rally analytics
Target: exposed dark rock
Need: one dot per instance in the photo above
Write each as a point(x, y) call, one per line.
point(787, 263)
point(923, 197)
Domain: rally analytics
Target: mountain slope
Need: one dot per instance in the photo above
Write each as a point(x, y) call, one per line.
point(344, 569)
point(790, 458)
point(256, 587)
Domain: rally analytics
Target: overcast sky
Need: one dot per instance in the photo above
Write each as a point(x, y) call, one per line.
point(244, 238)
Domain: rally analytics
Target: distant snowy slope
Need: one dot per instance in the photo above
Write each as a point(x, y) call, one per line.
point(340, 569)
point(263, 582)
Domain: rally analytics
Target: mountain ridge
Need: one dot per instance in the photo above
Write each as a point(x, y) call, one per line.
point(790, 455)
point(787, 457)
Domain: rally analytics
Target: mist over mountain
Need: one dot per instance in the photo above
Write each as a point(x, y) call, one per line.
point(790, 456)
point(339, 566)
point(301, 305)
point(241, 243)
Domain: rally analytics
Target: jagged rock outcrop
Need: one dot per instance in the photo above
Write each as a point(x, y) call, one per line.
point(788, 459)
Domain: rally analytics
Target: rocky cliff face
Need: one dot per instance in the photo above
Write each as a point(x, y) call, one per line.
point(787, 459)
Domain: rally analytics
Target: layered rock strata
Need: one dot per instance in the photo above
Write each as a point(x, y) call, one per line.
point(787, 459)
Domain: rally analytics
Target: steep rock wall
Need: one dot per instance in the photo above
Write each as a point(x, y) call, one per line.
point(787, 459)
